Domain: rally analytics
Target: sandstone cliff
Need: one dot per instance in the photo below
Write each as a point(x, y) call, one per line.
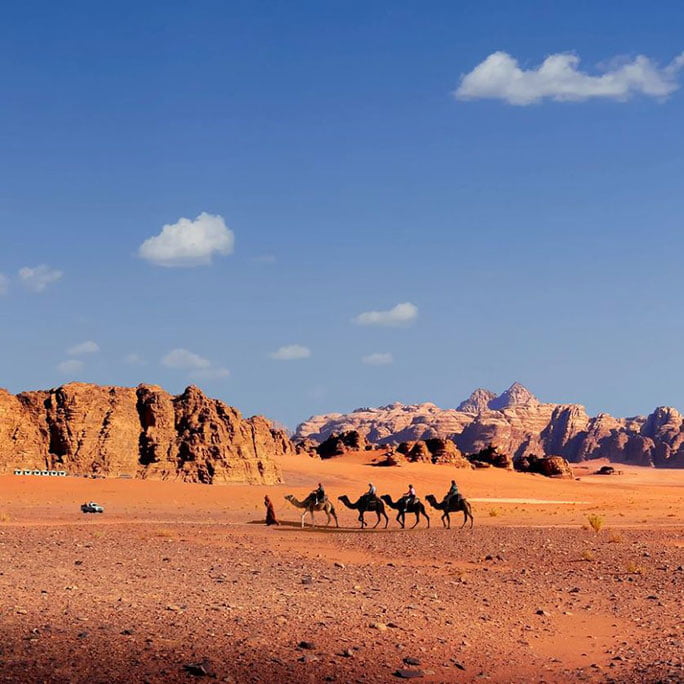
point(141, 432)
point(518, 424)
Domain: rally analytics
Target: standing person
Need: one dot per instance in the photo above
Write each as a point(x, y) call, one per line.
point(270, 512)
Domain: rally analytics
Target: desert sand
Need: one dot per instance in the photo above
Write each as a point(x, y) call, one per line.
point(177, 581)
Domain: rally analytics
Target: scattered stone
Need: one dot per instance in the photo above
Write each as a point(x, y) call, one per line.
point(409, 674)
point(307, 645)
point(197, 669)
point(411, 661)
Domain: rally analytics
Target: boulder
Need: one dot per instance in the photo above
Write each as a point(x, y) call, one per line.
point(492, 456)
point(549, 466)
point(337, 445)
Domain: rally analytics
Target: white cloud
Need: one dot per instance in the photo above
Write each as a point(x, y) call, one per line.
point(189, 243)
point(401, 314)
point(291, 352)
point(378, 359)
point(134, 359)
point(88, 347)
point(70, 367)
point(197, 366)
point(38, 278)
point(4, 284)
point(558, 78)
point(182, 359)
point(211, 373)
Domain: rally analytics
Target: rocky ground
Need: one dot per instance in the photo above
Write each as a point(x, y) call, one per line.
point(174, 587)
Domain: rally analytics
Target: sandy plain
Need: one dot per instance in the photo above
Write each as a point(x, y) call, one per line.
point(178, 582)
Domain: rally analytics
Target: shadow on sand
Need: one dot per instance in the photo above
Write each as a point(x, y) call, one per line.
point(293, 526)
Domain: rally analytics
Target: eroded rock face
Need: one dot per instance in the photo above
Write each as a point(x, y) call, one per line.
point(337, 445)
point(141, 432)
point(517, 423)
point(550, 466)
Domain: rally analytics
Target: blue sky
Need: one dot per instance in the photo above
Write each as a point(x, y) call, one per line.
point(538, 241)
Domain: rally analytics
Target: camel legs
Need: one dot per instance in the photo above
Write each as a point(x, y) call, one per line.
point(400, 518)
point(446, 520)
point(417, 519)
point(361, 520)
point(427, 517)
point(386, 519)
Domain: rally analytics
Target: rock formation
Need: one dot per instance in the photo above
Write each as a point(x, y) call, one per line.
point(550, 466)
point(337, 445)
point(518, 424)
point(141, 432)
point(435, 450)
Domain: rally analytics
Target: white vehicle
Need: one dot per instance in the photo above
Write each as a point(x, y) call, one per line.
point(91, 507)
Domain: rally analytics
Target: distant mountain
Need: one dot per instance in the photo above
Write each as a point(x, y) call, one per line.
point(518, 423)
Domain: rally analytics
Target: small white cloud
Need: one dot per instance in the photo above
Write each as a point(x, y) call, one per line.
point(401, 314)
point(4, 284)
point(197, 366)
point(87, 347)
point(38, 278)
point(558, 78)
point(189, 243)
point(70, 367)
point(211, 373)
point(378, 359)
point(182, 359)
point(291, 352)
point(134, 359)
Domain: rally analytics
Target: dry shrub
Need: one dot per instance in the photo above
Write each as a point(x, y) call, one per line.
point(164, 534)
point(588, 555)
point(596, 522)
point(4, 516)
point(494, 512)
point(616, 538)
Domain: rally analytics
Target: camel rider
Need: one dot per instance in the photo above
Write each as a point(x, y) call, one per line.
point(372, 493)
point(319, 493)
point(410, 496)
point(451, 494)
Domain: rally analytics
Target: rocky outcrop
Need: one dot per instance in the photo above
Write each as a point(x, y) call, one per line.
point(140, 432)
point(437, 451)
point(549, 466)
point(491, 456)
point(517, 423)
point(337, 445)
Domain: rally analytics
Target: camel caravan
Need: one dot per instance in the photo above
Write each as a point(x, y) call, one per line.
point(370, 502)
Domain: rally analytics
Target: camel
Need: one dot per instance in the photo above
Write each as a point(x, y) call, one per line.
point(457, 503)
point(364, 505)
point(417, 507)
point(309, 505)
